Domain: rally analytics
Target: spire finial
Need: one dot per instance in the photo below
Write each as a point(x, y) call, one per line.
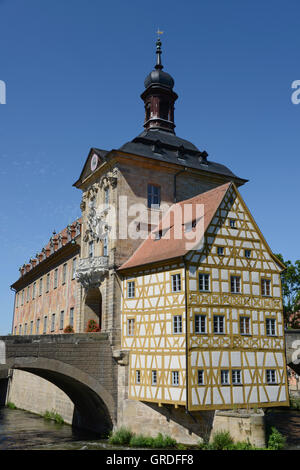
point(158, 50)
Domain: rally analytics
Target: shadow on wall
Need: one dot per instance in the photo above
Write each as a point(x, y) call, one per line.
point(3, 391)
point(198, 422)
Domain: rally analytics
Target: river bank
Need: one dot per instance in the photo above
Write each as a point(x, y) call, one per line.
point(22, 430)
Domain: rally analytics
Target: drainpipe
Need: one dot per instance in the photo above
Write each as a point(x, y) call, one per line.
point(186, 340)
point(175, 176)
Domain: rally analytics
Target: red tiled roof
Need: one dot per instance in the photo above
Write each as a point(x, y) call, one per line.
point(169, 246)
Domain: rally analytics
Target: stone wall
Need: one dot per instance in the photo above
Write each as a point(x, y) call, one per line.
point(32, 393)
point(242, 426)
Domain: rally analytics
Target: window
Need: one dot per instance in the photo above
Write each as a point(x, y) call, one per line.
point(25, 329)
point(138, 376)
point(236, 377)
point(245, 325)
point(153, 196)
point(61, 321)
point(200, 324)
point(232, 223)
point(22, 297)
point(106, 197)
point(200, 377)
point(27, 297)
point(37, 329)
point(265, 287)
point(130, 289)
point(41, 287)
point(48, 283)
point(130, 327)
point(154, 377)
point(219, 324)
point(177, 324)
point(45, 325)
point(15, 330)
point(72, 317)
point(271, 376)
point(73, 268)
point(33, 290)
point(203, 282)
point(176, 282)
point(91, 249)
point(158, 235)
point(20, 329)
point(31, 328)
point(175, 378)
point(270, 326)
point(53, 322)
point(247, 253)
point(105, 245)
point(64, 273)
point(235, 284)
point(220, 250)
point(55, 278)
point(225, 377)
point(17, 300)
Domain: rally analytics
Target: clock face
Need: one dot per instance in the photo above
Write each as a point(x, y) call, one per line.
point(94, 162)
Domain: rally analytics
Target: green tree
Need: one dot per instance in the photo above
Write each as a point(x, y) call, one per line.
point(290, 280)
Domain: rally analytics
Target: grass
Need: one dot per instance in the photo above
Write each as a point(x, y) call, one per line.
point(52, 416)
point(222, 440)
point(11, 405)
point(125, 437)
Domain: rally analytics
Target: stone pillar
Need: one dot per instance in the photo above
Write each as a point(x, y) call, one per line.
point(243, 425)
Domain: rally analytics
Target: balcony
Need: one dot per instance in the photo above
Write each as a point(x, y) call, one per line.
point(91, 271)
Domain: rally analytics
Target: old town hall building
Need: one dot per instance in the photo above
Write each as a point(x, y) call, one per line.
point(195, 326)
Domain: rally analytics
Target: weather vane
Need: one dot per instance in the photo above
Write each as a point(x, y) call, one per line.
point(159, 32)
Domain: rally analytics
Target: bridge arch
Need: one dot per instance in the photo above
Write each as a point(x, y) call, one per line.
point(94, 406)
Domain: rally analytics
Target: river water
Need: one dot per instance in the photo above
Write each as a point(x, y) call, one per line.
point(21, 430)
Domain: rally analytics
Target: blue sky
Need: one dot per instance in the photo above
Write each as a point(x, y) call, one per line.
point(74, 71)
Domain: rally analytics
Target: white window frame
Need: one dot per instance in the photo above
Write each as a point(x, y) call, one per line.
point(175, 378)
point(154, 377)
point(200, 319)
point(200, 373)
point(130, 326)
point(52, 322)
point(236, 377)
point(204, 282)
point(225, 375)
point(177, 324)
point(235, 284)
point(271, 378)
point(218, 321)
point(130, 289)
point(62, 320)
point(271, 327)
point(176, 282)
point(265, 287)
point(243, 323)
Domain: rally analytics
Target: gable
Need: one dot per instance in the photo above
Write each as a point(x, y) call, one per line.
point(245, 235)
point(94, 159)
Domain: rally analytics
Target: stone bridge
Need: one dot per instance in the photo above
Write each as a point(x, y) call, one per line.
point(81, 365)
point(292, 345)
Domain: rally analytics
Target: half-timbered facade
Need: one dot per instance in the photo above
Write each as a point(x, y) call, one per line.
point(204, 326)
